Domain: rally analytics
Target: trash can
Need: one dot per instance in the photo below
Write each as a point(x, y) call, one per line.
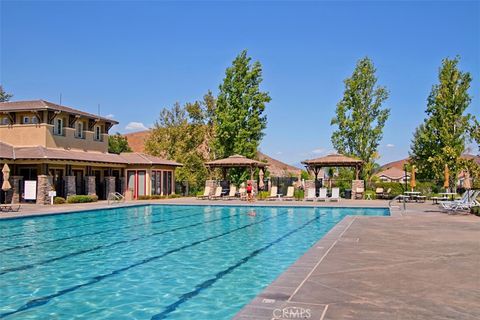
point(348, 194)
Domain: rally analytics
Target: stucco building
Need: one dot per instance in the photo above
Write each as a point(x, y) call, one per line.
point(66, 150)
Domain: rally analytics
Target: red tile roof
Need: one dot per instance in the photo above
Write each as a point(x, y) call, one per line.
point(39, 152)
point(392, 173)
point(6, 151)
point(38, 105)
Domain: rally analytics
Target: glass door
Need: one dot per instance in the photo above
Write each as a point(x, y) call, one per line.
point(141, 183)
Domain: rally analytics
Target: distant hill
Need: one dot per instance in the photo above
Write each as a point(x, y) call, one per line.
point(136, 141)
point(400, 163)
point(278, 168)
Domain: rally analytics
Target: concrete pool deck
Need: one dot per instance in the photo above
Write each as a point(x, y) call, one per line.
point(417, 264)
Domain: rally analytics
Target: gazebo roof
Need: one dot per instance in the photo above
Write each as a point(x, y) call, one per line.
point(333, 160)
point(235, 161)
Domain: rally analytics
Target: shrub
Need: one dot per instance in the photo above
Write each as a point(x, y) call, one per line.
point(299, 194)
point(371, 193)
point(475, 211)
point(158, 197)
point(82, 198)
point(58, 200)
point(396, 187)
point(263, 195)
point(427, 188)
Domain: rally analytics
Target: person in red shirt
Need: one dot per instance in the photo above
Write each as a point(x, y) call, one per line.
point(249, 192)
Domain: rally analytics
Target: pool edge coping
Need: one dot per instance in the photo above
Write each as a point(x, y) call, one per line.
point(264, 304)
point(131, 205)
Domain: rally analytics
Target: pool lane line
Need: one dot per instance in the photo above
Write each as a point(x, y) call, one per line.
point(32, 265)
point(90, 214)
point(45, 299)
point(81, 225)
point(101, 231)
point(219, 275)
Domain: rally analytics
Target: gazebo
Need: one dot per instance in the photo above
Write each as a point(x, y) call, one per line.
point(236, 161)
point(336, 160)
point(333, 160)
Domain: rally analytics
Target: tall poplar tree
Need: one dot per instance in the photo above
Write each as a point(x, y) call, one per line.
point(239, 118)
point(440, 139)
point(360, 117)
point(4, 97)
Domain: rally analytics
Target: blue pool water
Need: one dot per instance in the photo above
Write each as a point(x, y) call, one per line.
point(152, 262)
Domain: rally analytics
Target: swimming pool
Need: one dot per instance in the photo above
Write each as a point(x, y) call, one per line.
point(154, 261)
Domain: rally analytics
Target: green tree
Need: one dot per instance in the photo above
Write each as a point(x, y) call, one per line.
point(475, 132)
point(239, 119)
point(4, 97)
point(440, 139)
point(183, 134)
point(360, 117)
point(118, 144)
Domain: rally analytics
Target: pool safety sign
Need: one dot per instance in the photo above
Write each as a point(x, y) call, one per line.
point(30, 190)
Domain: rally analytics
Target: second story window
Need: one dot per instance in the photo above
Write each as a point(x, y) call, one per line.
point(34, 119)
point(58, 128)
point(97, 134)
point(79, 130)
point(5, 121)
point(26, 120)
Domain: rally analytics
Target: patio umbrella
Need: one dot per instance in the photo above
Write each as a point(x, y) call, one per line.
point(466, 184)
point(6, 184)
point(260, 178)
point(413, 183)
point(299, 180)
point(446, 183)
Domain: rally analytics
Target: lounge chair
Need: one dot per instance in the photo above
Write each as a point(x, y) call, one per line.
point(290, 194)
point(243, 193)
point(310, 196)
point(10, 208)
point(468, 200)
point(464, 198)
point(206, 194)
point(217, 195)
point(379, 193)
point(273, 193)
point(322, 196)
point(232, 194)
point(335, 194)
point(386, 195)
point(359, 193)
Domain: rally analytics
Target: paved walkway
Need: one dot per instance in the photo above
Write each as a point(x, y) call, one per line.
point(420, 265)
point(37, 210)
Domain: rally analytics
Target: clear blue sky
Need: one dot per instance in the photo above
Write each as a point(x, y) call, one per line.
point(133, 58)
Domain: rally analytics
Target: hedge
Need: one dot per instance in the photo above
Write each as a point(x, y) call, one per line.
point(158, 197)
point(475, 211)
point(58, 200)
point(82, 198)
point(396, 188)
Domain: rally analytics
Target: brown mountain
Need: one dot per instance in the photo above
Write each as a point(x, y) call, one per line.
point(136, 141)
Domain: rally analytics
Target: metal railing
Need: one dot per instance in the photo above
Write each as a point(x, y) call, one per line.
point(115, 197)
point(392, 201)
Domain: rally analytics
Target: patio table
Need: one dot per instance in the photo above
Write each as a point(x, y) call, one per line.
point(411, 194)
point(446, 194)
